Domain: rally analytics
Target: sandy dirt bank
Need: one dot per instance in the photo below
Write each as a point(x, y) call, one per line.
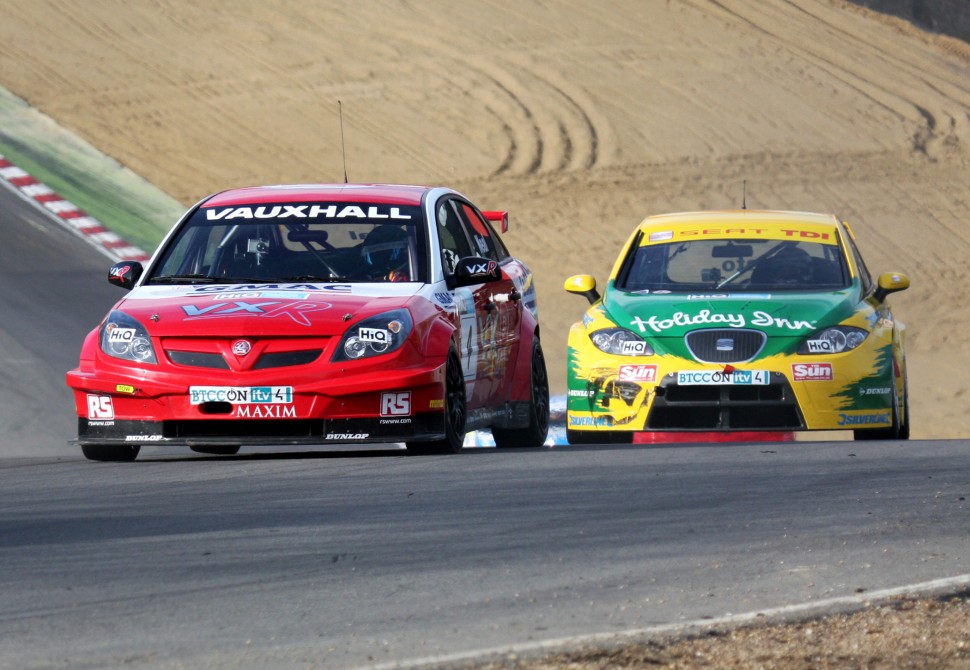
point(579, 118)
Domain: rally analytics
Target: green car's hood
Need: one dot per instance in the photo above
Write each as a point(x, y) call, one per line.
point(779, 315)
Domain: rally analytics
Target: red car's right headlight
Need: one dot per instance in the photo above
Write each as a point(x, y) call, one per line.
point(374, 336)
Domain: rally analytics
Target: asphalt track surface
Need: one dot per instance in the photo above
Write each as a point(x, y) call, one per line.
point(340, 559)
point(54, 290)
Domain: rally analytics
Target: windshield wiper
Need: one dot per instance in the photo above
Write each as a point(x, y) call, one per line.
point(208, 279)
point(247, 280)
point(742, 271)
point(313, 278)
point(183, 279)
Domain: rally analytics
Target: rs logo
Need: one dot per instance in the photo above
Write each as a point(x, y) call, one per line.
point(396, 404)
point(100, 407)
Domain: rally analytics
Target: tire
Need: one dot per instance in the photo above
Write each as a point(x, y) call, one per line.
point(533, 435)
point(904, 427)
point(217, 449)
point(456, 413)
point(581, 436)
point(123, 453)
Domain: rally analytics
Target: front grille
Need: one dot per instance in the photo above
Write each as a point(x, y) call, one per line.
point(729, 407)
point(197, 359)
point(285, 359)
point(725, 345)
point(276, 359)
point(243, 428)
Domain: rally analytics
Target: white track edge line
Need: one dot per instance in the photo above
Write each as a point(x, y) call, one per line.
point(773, 614)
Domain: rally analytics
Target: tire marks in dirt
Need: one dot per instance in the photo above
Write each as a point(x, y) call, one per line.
point(825, 41)
point(547, 125)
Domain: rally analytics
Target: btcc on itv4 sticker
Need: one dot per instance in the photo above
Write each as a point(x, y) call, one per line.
point(241, 395)
point(716, 377)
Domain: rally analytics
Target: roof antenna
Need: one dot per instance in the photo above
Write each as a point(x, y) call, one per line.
point(744, 194)
point(343, 149)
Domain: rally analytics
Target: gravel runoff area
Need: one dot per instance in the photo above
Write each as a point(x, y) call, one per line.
point(927, 633)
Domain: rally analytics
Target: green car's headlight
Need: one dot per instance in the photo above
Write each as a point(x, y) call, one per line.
point(620, 342)
point(377, 335)
point(124, 337)
point(834, 340)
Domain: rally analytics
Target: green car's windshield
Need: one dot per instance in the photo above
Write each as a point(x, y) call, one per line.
point(295, 242)
point(736, 265)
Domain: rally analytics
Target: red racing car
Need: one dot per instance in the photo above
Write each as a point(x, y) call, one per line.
point(315, 314)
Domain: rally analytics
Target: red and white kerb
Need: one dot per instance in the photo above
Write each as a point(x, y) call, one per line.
point(68, 214)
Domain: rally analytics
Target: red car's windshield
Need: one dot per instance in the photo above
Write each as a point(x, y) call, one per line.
point(297, 242)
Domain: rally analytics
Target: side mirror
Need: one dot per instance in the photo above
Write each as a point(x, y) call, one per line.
point(125, 274)
point(472, 270)
point(583, 285)
point(890, 282)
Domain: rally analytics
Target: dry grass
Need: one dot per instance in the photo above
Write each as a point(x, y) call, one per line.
point(918, 634)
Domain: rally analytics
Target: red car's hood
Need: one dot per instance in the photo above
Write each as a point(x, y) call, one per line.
point(255, 310)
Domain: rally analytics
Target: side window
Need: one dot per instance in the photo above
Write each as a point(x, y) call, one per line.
point(451, 233)
point(194, 253)
point(496, 239)
point(860, 264)
point(484, 240)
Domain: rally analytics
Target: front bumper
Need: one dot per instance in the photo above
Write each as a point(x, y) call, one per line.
point(119, 406)
point(644, 394)
point(202, 433)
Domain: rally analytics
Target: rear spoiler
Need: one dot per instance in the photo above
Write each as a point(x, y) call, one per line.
point(500, 218)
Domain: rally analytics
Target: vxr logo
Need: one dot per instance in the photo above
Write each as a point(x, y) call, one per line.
point(295, 310)
point(483, 268)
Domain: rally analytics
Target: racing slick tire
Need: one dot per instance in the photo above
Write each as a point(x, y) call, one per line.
point(456, 412)
point(123, 453)
point(533, 435)
point(904, 427)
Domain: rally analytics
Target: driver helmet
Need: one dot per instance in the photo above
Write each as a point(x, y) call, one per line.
point(792, 265)
point(386, 249)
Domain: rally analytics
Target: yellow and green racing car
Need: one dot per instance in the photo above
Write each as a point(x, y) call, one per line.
point(730, 321)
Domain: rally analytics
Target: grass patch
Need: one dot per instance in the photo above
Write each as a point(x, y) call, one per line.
point(123, 201)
